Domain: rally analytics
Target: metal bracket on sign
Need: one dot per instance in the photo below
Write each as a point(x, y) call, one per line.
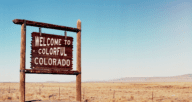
point(22, 70)
point(65, 35)
point(24, 25)
point(40, 30)
point(77, 73)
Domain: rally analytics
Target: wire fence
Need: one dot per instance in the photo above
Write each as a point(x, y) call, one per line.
point(58, 93)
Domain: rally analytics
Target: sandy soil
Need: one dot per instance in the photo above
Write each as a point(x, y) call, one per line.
point(101, 92)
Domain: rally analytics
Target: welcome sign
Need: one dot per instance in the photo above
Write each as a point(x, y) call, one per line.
point(51, 51)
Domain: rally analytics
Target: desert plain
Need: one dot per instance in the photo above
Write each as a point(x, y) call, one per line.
point(101, 92)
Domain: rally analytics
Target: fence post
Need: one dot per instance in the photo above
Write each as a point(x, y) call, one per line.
point(152, 96)
point(59, 93)
point(39, 90)
point(22, 63)
point(114, 94)
point(78, 77)
point(83, 92)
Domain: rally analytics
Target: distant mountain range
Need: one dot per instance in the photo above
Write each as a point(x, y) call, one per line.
point(59, 82)
point(180, 78)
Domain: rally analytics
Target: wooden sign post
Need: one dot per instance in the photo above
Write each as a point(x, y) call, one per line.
point(50, 54)
point(22, 63)
point(78, 77)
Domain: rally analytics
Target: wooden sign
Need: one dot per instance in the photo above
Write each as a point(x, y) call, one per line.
point(51, 52)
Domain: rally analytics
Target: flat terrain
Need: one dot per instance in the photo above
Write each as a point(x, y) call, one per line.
point(101, 92)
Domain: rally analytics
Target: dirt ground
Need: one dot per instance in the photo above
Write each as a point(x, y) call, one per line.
point(101, 92)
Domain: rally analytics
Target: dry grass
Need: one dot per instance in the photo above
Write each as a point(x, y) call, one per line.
point(101, 92)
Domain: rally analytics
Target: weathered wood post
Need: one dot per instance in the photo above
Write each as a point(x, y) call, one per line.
point(22, 63)
point(78, 77)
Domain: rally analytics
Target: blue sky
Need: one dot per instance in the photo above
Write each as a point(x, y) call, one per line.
point(120, 38)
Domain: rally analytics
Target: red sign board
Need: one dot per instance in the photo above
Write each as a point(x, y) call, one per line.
point(51, 51)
